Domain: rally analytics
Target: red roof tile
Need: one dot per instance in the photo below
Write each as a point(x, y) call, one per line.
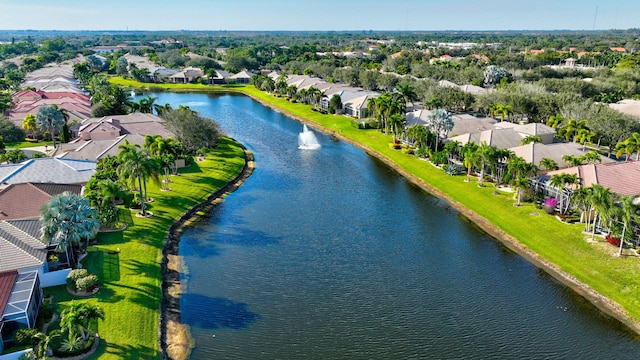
point(7, 279)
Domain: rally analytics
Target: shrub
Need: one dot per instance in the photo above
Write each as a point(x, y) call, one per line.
point(551, 202)
point(612, 240)
point(74, 275)
point(86, 283)
point(25, 336)
point(453, 169)
point(439, 158)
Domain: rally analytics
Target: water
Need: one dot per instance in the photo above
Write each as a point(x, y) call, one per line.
point(307, 140)
point(329, 254)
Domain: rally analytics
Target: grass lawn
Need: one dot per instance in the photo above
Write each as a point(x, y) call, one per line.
point(130, 280)
point(26, 144)
point(594, 264)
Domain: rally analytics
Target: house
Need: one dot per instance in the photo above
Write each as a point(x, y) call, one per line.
point(534, 152)
point(188, 75)
point(19, 201)
point(21, 251)
point(243, 77)
point(113, 126)
point(220, 77)
point(620, 177)
point(20, 300)
point(546, 133)
point(618, 49)
point(462, 123)
point(96, 150)
point(48, 170)
point(627, 106)
point(536, 51)
point(500, 138)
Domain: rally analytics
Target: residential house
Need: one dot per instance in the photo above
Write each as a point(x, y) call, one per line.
point(188, 75)
point(620, 177)
point(20, 300)
point(546, 133)
point(534, 152)
point(220, 77)
point(48, 170)
point(243, 77)
point(113, 126)
point(462, 123)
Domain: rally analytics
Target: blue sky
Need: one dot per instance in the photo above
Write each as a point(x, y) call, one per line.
point(319, 14)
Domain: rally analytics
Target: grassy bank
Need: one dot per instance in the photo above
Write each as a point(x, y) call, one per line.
point(130, 279)
point(593, 264)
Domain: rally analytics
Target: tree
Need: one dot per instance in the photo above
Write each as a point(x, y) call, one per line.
point(629, 146)
point(77, 317)
point(573, 160)
point(469, 151)
point(397, 123)
point(335, 104)
point(559, 181)
point(555, 121)
point(145, 104)
point(602, 202)
point(571, 128)
point(493, 75)
point(192, 130)
point(50, 119)
point(419, 135)
point(14, 156)
point(43, 340)
point(440, 122)
point(548, 164)
point(484, 155)
point(66, 135)
point(137, 165)
point(625, 213)
point(67, 220)
point(519, 183)
point(9, 131)
point(531, 139)
point(503, 111)
point(29, 124)
point(407, 93)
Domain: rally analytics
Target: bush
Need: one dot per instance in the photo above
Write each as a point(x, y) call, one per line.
point(56, 346)
point(612, 240)
point(73, 277)
point(86, 283)
point(453, 169)
point(25, 336)
point(439, 158)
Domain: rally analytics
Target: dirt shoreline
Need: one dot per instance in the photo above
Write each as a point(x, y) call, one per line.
point(603, 303)
point(174, 337)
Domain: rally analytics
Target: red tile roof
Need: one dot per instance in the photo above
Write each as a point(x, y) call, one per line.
point(7, 279)
point(621, 178)
point(21, 201)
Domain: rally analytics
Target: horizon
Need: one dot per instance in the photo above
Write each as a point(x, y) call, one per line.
point(372, 15)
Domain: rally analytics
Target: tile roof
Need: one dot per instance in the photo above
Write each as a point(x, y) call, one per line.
point(535, 152)
point(31, 226)
point(19, 250)
point(7, 279)
point(48, 170)
point(621, 177)
point(95, 150)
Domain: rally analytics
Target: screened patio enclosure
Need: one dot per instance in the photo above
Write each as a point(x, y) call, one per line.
point(22, 305)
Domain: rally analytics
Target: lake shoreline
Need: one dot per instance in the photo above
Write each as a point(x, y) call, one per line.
point(174, 337)
point(604, 304)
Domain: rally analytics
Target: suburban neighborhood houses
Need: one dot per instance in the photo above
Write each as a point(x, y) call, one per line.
point(551, 125)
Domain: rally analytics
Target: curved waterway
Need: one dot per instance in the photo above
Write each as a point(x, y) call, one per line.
point(329, 254)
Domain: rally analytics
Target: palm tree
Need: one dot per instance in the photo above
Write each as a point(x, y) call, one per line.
point(519, 183)
point(602, 202)
point(146, 104)
point(573, 160)
point(592, 157)
point(407, 93)
point(548, 164)
point(419, 135)
point(29, 124)
point(584, 136)
point(68, 219)
point(469, 151)
point(629, 146)
point(440, 123)
point(103, 199)
point(531, 139)
point(559, 181)
point(397, 123)
point(65, 128)
point(485, 154)
point(555, 121)
point(503, 111)
point(51, 119)
point(571, 128)
point(136, 164)
point(581, 198)
point(162, 109)
point(77, 318)
point(43, 341)
point(625, 213)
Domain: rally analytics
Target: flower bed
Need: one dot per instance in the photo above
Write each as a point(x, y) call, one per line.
point(612, 240)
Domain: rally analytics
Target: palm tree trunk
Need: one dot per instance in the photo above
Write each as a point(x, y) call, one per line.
point(624, 229)
point(142, 195)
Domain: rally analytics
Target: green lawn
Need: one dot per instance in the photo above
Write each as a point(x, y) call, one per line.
point(130, 280)
point(26, 144)
point(560, 243)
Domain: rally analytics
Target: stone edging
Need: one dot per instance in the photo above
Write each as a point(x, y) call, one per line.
point(603, 303)
point(94, 347)
point(170, 302)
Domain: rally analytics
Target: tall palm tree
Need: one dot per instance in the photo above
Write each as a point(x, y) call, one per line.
point(519, 183)
point(503, 111)
point(573, 160)
point(625, 212)
point(137, 164)
point(146, 104)
point(581, 198)
point(440, 122)
point(484, 156)
point(43, 341)
point(469, 151)
point(68, 219)
point(602, 203)
point(419, 135)
point(65, 127)
point(48, 118)
point(592, 157)
point(407, 93)
point(397, 123)
point(531, 139)
point(161, 110)
point(555, 121)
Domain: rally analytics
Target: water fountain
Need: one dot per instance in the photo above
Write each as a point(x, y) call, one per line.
point(307, 139)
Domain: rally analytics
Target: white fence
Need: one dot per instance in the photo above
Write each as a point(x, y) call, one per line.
point(54, 278)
